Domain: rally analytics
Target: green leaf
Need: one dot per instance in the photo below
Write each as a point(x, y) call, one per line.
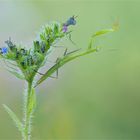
point(13, 116)
point(18, 75)
point(13, 69)
point(62, 61)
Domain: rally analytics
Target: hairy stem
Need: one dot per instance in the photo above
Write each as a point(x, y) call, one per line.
point(28, 113)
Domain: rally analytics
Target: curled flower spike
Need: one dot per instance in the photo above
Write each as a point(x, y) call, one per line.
point(10, 44)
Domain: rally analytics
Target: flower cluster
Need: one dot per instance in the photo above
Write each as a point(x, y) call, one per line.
point(30, 60)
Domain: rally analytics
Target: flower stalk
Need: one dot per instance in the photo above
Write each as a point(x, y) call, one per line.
point(26, 63)
point(28, 113)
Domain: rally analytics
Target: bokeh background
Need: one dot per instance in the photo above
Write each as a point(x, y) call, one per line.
point(96, 97)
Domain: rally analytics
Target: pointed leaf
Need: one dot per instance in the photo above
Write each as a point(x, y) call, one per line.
point(18, 75)
point(13, 116)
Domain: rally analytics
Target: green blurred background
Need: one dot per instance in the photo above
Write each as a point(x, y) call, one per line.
point(96, 97)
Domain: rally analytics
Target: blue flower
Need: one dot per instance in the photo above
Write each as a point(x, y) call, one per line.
point(71, 21)
point(4, 50)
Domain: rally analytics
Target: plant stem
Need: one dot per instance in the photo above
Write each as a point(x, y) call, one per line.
point(28, 113)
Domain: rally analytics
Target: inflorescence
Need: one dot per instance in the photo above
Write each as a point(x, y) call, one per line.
point(30, 60)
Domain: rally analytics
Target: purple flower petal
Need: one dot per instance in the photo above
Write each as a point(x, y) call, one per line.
point(65, 28)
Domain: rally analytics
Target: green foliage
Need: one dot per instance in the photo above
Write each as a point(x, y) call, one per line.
point(29, 61)
point(17, 74)
point(13, 116)
point(66, 58)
